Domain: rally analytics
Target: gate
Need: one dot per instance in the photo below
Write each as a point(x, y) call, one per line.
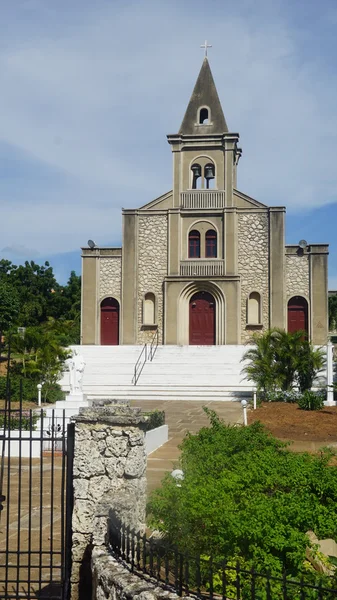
point(35, 503)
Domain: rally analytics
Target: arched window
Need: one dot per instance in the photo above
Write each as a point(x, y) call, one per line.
point(254, 309)
point(149, 305)
point(203, 116)
point(194, 244)
point(196, 176)
point(211, 243)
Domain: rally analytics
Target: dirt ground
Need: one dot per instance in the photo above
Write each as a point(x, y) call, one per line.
point(288, 422)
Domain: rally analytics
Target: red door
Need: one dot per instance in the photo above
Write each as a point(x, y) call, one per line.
point(109, 322)
point(202, 319)
point(297, 314)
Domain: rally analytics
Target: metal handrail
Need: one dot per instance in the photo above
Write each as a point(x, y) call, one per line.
point(153, 345)
point(136, 373)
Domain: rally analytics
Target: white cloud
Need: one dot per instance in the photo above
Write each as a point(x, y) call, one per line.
point(89, 92)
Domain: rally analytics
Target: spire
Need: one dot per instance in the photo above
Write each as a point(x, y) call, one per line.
point(204, 95)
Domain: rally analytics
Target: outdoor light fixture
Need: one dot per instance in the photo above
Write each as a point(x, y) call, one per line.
point(303, 244)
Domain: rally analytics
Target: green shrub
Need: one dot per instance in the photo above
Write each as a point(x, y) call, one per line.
point(17, 421)
point(311, 401)
point(156, 419)
point(29, 390)
point(278, 360)
point(290, 396)
point(246, 497)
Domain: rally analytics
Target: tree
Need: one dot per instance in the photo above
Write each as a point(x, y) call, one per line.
point(9, 306)
point(246, 496)
point(279, 360)
point(310, 361)
point(260, 367)
point(41, 355)
point(40, 296)
point(333, 312)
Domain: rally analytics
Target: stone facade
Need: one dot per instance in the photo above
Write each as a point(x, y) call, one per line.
point(166, 253)
point(109, 476)
point(110, 277)
point(152, 269)
point(297, 275)
point(253, 264)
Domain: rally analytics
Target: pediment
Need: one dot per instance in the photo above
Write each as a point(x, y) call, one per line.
point(241, 200)
point(162, 203)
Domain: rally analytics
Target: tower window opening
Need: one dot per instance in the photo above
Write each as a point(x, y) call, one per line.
point(194, 244)
point(204, 116)
point(196, 179)
point(211, 244)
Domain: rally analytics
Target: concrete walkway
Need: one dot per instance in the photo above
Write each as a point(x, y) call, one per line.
point(181, 417)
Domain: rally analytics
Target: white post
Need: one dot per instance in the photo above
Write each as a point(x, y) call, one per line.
point(329, 373)
point(39, 388)
point(244, 406)
point(254, 399)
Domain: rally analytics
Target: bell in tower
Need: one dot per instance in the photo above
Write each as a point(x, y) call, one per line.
point(196, 170)
point(209, 175)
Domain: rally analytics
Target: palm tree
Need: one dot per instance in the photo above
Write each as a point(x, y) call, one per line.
point(310, 361)
point(279, 360)
point(287, 347)
point(261, 368)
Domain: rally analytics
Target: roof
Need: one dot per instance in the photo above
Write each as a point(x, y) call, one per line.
point(204, 95)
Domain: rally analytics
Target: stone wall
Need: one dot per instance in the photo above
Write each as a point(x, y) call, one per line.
point(109, 477)
point(152, 268)
point(113, 581)
point(297, 276)
point(253, 264)
point(110, 275)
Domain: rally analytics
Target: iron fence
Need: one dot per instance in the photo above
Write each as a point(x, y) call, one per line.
point(206, 577)
point(35, 502)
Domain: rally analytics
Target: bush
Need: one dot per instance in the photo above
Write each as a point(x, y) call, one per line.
point(246, 497)
point(25, 423)
point(290, 396)
point(156, 419)
point(311, 400)
point(278, 360)
point(29, 390)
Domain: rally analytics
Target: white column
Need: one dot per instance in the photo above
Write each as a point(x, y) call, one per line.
point(244, 407)
point(329, 373)
point(39, 388)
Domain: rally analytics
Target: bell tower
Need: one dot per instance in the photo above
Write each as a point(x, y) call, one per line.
point(205, 154)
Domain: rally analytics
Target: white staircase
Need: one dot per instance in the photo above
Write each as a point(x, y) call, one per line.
point(175, 373)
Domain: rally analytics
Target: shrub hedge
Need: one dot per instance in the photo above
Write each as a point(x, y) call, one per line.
point(29, 390)
point(156, 419)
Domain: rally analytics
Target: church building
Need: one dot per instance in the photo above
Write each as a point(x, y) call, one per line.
point(204, 263)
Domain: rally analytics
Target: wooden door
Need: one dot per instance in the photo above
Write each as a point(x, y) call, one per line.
point(297, 314)
point(109, 322)
point(202, 319)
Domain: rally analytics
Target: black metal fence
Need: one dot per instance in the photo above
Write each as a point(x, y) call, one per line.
point(207, 578)
point(35, 503)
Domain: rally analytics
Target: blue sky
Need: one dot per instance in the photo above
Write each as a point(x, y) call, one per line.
point(89, 91)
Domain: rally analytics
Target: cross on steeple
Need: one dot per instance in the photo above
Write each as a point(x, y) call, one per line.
point(206, 46)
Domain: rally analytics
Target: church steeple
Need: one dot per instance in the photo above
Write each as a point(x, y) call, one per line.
point(204, 113)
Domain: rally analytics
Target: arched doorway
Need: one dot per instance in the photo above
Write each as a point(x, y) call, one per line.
point(202, 319)
point(109, 322)
point(297, 314)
